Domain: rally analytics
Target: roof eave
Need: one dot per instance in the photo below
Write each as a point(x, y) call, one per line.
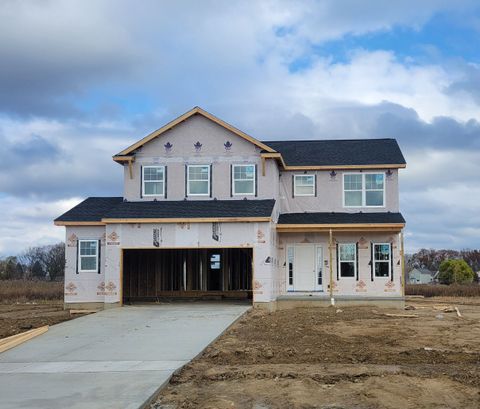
point(347, 227)
point(78, 223)
point(278, 157)
point(188, 220)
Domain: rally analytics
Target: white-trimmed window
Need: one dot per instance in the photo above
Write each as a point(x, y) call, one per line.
point(243, 180)
point(347, 260)
point(304, 185)
point(87, 256)
point(364, 190)
point(198, 180)
point(382, 257)
point(153, 180)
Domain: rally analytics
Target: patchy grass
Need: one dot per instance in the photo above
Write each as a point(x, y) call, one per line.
point(440, 290)
point(23, 291)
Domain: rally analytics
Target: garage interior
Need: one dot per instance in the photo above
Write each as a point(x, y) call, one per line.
point(218, 273)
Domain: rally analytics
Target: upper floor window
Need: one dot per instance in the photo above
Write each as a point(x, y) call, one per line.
point(153, 180)
point(304, 185)
point(198, 180)
point(364, 190)
point(88, 256)
point(382, 259)
point(243, 182)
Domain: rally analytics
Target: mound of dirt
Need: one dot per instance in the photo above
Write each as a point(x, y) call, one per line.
point(321, 358)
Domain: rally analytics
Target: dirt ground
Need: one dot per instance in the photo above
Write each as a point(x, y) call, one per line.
point(353, 357)
point(15, 318)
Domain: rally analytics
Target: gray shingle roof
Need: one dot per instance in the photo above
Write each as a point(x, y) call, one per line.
point(339, 218)
point(339, 152)
point(96, 208)
point(91, 209)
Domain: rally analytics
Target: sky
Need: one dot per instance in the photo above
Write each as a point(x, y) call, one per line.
point(82, 80)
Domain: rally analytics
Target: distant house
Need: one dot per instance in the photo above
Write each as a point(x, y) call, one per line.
point(421, 276)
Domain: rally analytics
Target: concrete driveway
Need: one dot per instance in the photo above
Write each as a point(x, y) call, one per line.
point(116, 358)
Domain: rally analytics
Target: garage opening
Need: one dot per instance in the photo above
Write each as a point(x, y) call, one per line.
point(152, 274)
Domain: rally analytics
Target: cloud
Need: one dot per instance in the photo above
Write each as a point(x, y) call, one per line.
point(53, 51)
point(29, 222)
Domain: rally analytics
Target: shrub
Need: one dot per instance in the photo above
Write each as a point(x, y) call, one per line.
point(455, 271)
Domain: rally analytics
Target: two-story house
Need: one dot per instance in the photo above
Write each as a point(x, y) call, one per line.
point(209, 211)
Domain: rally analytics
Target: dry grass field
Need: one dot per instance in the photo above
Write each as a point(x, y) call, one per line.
point(26, 291)
point(439, 290)
point(26, 305)
point(354, 357)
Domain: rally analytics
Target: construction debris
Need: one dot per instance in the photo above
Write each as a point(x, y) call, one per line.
point(458, 312)
point(396, 315)
point(444, 308)
point(14, 340)
point(83, 311)
point(402, 315)
point(410, 307)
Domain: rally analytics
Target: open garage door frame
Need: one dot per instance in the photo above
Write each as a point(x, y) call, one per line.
point(151, 274)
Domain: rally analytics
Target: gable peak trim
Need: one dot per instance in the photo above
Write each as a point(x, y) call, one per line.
point(196, 110)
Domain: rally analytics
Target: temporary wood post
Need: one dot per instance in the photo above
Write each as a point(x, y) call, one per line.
point(330, 246)
point(402, 262)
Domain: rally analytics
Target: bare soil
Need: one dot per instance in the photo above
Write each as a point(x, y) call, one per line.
point(353, 357)
point(16, 318)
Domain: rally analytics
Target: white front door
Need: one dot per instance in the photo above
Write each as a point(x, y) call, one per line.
point(304, 267)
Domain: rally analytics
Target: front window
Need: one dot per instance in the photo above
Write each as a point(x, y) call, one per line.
point(304, 185)
point(198, 183)
point(153, 180)
point(88, 256)
point(347, 258)
point(382, 259)
point(364, 189)
point(243, 179)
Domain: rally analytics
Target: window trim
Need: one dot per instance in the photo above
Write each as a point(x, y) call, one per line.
point(80, 270)
point(364, 190)
point(389, 261)
point(355, 262)
point(295, 194)
point(143, 181)
point(198, 180)
point(253, 180)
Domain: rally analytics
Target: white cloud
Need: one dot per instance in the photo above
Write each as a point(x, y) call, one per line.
point(29, 222)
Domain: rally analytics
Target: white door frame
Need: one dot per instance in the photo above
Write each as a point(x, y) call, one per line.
point(318, 264)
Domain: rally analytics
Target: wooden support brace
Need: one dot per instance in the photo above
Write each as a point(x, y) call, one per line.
point(263, 166)
point(130, 169)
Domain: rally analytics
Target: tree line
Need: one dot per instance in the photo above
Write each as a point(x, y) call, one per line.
point(35, 263)
point(48, 262)
point(431, 259)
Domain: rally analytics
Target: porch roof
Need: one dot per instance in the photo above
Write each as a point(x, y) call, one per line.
point(114, 210)
point(323, 221)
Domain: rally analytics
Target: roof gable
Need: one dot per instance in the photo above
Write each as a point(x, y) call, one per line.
point(195, 111)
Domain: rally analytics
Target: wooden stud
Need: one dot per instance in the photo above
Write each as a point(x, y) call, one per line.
point(14, 340)
point(263, 166)
point(330, 246)
point(80, 223)
point(190, 220)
